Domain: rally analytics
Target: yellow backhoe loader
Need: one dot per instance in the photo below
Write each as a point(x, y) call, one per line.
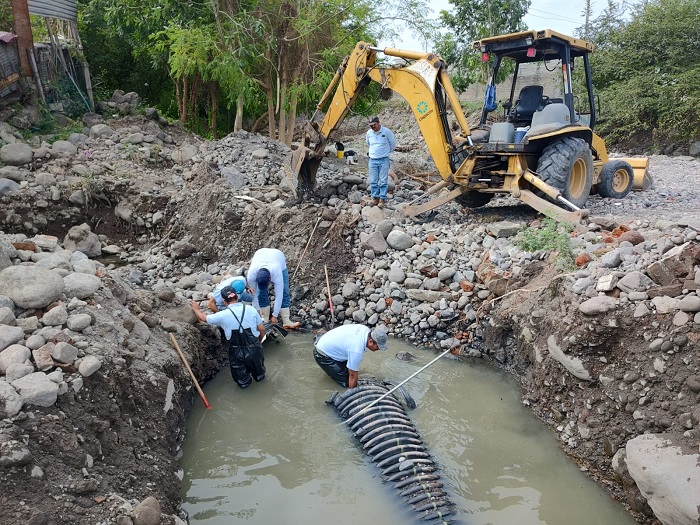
point(540, 148)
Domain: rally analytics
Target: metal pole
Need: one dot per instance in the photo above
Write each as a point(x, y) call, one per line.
point(414, 374)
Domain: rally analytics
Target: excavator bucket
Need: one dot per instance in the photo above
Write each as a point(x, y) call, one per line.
point(642, 177)
point(305, 164)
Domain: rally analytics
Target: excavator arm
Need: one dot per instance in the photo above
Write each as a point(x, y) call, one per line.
point(423, 83)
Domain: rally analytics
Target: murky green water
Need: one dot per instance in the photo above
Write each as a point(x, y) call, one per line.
point(277, 454)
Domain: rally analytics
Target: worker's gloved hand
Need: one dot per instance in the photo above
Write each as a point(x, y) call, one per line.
point(273, 320)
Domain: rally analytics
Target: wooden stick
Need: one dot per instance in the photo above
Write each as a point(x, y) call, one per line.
point(330, 301)
point(306, 248)
point(194, 379)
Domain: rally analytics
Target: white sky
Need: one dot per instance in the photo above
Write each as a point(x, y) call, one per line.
point(559, 15)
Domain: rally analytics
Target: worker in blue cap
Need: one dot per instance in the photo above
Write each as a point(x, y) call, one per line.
point(270, 264)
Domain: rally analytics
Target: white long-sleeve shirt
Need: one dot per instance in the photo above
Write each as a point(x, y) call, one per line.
point(274, 262)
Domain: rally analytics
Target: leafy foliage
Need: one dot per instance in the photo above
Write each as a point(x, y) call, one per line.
point(551, 236)
point(647, 71)
point(472, 20)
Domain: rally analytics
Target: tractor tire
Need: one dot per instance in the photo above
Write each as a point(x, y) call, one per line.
point(616, 179)
point(567, 165)
point(474, 199)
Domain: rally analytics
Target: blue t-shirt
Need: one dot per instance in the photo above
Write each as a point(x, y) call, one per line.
point(345, 343)
point(226, 320)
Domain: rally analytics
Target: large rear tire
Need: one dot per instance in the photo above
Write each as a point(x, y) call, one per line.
point(474, 199)
point(616, 179)
point(567, 165)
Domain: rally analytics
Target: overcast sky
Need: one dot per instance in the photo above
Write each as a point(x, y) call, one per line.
point(559, 15)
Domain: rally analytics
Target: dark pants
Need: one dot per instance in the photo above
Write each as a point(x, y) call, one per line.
point(246, 359)
point(337, 370)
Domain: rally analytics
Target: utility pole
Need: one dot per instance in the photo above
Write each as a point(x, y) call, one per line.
point(588, 16)
point(25, 38)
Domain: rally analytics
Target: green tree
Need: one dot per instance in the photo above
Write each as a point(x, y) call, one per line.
point(647, 71)
point(471, 20)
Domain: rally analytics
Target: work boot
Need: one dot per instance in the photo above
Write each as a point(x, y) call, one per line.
point(286, 321)
point(382, 203)
point(265, 313)
point(375, 201)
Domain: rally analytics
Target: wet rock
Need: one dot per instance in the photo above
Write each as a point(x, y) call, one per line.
point(405, 356)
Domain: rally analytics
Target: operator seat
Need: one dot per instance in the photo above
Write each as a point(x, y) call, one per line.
point(529, 101)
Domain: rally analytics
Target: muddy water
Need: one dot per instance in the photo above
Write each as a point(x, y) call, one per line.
point(277, 454)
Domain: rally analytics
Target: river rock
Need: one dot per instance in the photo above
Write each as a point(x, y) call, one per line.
point(16, 154)
point(14, 454)
point(64, 353)
point(64, 147)
point(37, 389)
point(399, 240)
point(657, 464)
point(78, 322)
point(17, 370)
point(13, 354)
point(57, 316)
point(31, 287)
point(89, 365)
point(81, 285)
point(598, 305)
point(10, 401)
point(147, 512)
point(83, 239)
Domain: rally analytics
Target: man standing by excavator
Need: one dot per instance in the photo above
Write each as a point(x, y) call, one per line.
point(270, 264)
point(381, 143)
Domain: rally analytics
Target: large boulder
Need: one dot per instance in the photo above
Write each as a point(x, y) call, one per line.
point(16, 154)
point(81, 285)
point(31, 286)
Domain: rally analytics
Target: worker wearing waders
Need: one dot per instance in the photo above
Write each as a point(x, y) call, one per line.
point(340, 351)
point(244, 331)
point(270, 264)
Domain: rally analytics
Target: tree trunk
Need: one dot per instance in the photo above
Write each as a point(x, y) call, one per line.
point(25, 38)
point(183, 100)
point(259, 122)
point(270, 93)
point(291, 119)
point(214, 109)
point(282, 125)
point(238, 122)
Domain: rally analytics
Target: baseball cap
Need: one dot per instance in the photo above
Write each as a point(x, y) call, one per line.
point(373, 120)
point(238, 285)
point(228, 294)
point(379, 336)
point(263, 277)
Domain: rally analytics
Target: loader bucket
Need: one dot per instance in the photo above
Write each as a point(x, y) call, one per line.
point(642, 177)
point(305, 165)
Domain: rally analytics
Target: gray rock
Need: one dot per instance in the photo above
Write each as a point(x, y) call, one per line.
point(10, 402)
point(17, 370)
point(13, 354)
point(89, 365)
point(147, 512)
point(611, 259)
point(689, 303)
point(7, 316)
point(57, 316)
point(101, 131)
point(350, 291)
point(396, 275)
point(598, 305)
point(426, 296)
point(8, 186)
point(16, 154)
point(635, 281)
point(656, 463)
point(81, 238)
point(385, 227)
point(31, 286)
point(78, 322)
point(85, 266)
point(503, 229)
point(64, 147)
point(665, 304)
point(375, 242)
point(446, 273)
point(81, 285)
point(399, 240)
point(37, 389)
point(64, 353)
point(14, 454)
